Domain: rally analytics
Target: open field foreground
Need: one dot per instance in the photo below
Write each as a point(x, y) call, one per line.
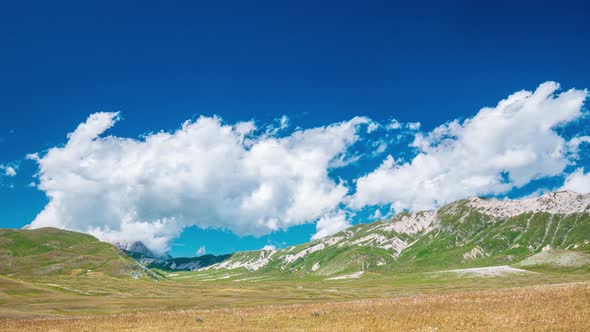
point(564, 307)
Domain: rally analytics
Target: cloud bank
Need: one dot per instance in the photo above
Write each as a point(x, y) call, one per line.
point(331, 224)
point(254, 180)
point(577, 181)
point(498, 149)
point(206, 173)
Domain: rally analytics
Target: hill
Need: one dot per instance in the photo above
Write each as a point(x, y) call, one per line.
point(50, 251)
point(467, 233)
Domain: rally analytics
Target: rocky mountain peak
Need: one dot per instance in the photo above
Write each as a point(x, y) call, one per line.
point(559, 202)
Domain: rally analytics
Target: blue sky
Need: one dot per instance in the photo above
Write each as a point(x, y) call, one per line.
point(318, 64)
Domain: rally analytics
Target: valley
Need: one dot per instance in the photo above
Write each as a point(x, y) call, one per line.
point(482, 253)
point(189, 301)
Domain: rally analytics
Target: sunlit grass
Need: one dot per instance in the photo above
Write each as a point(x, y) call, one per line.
point(550, 307)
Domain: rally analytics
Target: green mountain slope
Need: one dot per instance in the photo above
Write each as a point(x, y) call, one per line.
point(50, 252)
point(466, 233)
point(551, 232)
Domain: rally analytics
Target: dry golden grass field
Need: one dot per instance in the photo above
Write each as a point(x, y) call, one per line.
point(561, 307)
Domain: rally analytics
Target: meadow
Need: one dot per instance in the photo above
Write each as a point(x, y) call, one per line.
point(216, 300)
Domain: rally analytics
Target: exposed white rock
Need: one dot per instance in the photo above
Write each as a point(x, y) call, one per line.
point(577, 245)
point(411, 224)
point(561, 202)
point(395, 244)
point(252, 264)
point(368, 239)
point(291, 258)
point(491, 271)
point(331, 240)
point(355, 275)
point(315, 267)
point(379, 241)
point(473, 254)
point(348, 233)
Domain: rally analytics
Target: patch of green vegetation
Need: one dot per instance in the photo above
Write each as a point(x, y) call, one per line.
point(557, 261)
point(28, 254)
point(465, 238)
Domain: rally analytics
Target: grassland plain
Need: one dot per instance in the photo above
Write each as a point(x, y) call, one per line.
point(221, 299)
point(561, 307)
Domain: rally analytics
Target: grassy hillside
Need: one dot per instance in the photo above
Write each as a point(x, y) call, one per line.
point(457, 235)
point(464, 234)
point(28, 254)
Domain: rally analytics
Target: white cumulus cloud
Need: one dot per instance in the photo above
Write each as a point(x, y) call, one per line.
point(498, 149)
point(331, 224)
point(577, 181)
point(8, 170)
point(269, 247)
point(255, 180)
point(201, 251)
point(203, 174)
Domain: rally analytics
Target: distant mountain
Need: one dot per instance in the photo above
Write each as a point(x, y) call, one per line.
point(470, 232)
point(139, 249)
point(51, 251)
point(143, 255)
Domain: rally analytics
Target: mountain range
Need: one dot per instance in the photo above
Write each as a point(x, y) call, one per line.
point(466, 233)
point(551, 232)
